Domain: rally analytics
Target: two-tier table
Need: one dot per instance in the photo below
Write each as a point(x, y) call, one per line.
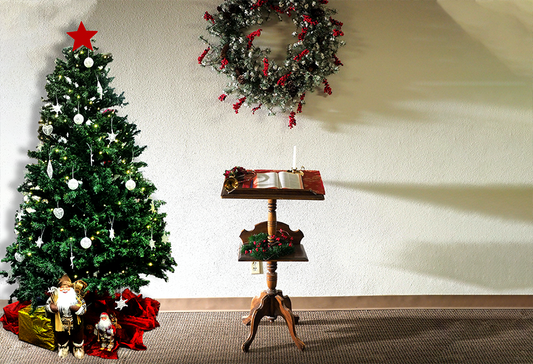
point(271, 303)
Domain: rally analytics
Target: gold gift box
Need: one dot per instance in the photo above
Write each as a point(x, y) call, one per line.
point(36, 328)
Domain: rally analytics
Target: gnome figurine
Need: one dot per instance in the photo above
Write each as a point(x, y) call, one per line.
point(105, 332)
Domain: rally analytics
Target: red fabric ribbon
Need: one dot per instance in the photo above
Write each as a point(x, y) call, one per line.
point(10, 318)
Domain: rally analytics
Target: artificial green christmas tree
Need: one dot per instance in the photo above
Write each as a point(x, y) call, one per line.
point(87, 210)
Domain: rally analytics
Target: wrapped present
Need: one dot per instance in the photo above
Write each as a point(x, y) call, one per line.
point(36, 328)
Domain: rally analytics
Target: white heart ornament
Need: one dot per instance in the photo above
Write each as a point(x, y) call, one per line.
point(59, 212)
point(86, 243)
point(48, 129)
point(19, 257)
point(78, 119)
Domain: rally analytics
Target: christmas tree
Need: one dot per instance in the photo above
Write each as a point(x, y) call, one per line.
point(87, 210)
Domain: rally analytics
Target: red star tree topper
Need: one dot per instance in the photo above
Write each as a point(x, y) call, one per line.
point(82, 37)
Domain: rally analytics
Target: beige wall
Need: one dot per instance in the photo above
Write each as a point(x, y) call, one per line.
point(425, 148)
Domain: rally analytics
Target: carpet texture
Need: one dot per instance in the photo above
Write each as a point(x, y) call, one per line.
point(374, 336)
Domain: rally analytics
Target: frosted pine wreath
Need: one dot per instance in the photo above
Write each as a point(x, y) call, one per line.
point(255, 79)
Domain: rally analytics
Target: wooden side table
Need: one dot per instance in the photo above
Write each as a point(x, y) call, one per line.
point(271, 303)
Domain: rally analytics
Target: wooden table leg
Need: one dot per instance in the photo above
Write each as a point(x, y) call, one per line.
point(272, 220)
point(271, 303)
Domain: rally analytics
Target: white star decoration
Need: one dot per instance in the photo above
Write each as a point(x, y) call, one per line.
point(57, 109)
point(152, 244)
point(111, 136)
point(121, 303)
point(39, 242)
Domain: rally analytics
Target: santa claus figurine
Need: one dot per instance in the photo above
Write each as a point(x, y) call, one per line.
point(68, 306)
point(105, 332)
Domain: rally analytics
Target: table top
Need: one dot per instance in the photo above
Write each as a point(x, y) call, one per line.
point(313, 187)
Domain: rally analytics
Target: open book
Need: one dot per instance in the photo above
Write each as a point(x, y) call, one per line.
point(278, 180)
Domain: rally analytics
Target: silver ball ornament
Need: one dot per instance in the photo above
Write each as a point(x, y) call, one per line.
point(78, 119)
point(88, 62)
point(86, 243)
point(130, 184)
point(73, 184)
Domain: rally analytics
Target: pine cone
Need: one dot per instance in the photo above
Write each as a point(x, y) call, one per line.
point(235, 9)
point(241, 79)
point(291, 87)
point(317, 13)
point(224, 51)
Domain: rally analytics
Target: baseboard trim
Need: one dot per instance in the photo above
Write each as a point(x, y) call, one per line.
point(352, 302)
point(357, 302)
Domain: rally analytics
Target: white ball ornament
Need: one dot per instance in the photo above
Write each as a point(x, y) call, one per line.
point(78, 119)
point(73, 184)
point(86, 243)
point(88, 62)
point(130, 184)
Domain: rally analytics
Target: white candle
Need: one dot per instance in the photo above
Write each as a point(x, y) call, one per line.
point(294, 158)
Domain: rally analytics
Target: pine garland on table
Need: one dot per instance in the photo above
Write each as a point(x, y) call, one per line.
point(259, 81)
point(259, 248)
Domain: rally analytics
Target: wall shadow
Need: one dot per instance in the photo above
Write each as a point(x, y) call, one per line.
point(513, 202)
point(494, 265)
point(8, 221)
point(403, 54)
point(489, 265)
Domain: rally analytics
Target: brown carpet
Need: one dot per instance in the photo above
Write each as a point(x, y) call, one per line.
point(376, 336)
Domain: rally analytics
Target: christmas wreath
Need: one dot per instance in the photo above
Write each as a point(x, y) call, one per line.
point(260, 248)
point(257, 80)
